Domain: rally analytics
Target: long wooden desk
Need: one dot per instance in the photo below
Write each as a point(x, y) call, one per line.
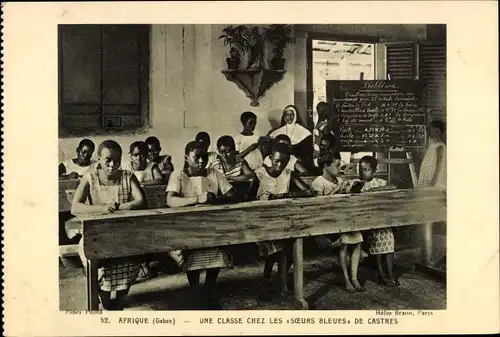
point(136, 233)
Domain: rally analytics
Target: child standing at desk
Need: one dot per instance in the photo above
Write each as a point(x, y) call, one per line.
point(381, 240)
point(77, 167)
point(328, 184)
point(247, 142)
point(197, 184)
point(276, 182)
point(108, 189)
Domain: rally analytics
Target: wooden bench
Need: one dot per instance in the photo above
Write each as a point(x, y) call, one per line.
point(143, 232)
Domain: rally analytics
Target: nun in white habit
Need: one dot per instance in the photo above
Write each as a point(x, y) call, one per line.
point(301, 138)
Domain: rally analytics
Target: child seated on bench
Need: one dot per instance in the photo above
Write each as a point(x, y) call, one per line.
point(293, 163)
point(328, 184)
point(276, 182)
point(108, 189)
point(147, 173)
point(164, 162)
point(82, 164)
point(197, 184)
point(381, 240)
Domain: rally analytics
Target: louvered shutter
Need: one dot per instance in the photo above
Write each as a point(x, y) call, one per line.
point(401, 61)
point(432, 70)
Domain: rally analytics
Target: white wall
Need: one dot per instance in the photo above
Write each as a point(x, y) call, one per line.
point(188, 92)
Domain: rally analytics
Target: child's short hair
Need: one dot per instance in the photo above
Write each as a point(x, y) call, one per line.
point(86, 142)
point(203, 137)
point(152, 141)
point(191, 146)
point(110, 145)
point(323, 108)
point(142, 146)
point(227, 141)
point(247, 115)
point(327, 159)
point(283, 137)
point(281, 148)
point(370, 160)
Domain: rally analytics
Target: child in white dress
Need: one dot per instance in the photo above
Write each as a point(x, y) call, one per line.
point(275, 182)
point(381, 240)
point(193, 185)
point(293, 164)
point(108, 189)
point(328, 184)
point(247, 141)
point(147, 173)
point(77, 167)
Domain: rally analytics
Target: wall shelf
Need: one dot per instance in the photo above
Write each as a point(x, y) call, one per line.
point(254, 82)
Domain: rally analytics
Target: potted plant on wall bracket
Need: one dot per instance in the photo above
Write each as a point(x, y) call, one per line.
point(236, 39)
point(279, 36)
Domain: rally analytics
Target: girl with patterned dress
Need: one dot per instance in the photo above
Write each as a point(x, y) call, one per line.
point(247, 142)
point(77, 167)
point(108, 189)
point(330, 183)
point(381, 240)
point(275, 182)
point(197, 184)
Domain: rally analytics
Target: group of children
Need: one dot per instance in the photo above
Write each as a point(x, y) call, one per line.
point(207, 178)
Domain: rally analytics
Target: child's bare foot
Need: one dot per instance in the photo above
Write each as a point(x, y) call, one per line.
point(357, 286)
point(349, 287)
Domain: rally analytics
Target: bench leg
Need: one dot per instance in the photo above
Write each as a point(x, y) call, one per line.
point(298, 274)
point(92, 285)
point(283, 271)
point(426, 244)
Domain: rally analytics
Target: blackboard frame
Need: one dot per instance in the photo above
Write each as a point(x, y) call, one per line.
point(335, 88)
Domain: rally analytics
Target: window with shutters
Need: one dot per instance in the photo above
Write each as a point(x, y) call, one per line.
point(425, 61)
point(103, 78)
point(432, 70)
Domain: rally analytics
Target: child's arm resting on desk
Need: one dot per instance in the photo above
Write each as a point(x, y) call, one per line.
point(138, 195)
point(82, 192)
point(303, 189)
point(247, 173)
point(173, 190)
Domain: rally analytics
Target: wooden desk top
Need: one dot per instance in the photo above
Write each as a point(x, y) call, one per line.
point(129, 233)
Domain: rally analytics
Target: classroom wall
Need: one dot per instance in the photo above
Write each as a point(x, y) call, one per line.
point(188, 92)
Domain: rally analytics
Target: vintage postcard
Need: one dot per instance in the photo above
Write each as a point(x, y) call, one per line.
point(228, 168)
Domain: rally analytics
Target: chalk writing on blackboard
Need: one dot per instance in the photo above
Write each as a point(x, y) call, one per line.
point(379, 115)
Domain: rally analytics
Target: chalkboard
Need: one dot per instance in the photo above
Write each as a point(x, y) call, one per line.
point(379, 116)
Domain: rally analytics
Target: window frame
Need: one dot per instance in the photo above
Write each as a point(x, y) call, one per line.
point(144, 89)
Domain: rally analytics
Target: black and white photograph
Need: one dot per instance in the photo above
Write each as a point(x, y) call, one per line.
point(227, 168)
point(252, 166)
